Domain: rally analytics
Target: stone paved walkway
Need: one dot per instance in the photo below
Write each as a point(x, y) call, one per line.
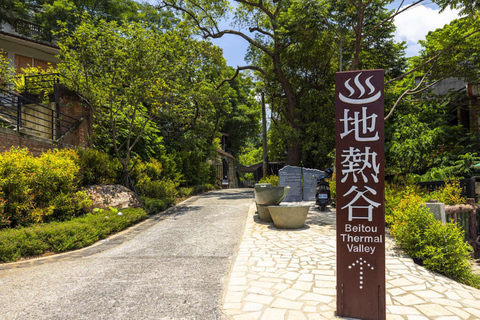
point(290, 274)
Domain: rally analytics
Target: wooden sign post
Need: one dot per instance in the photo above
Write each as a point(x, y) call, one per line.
point(360, 194)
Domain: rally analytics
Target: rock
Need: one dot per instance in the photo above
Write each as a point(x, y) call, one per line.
point(116, 196)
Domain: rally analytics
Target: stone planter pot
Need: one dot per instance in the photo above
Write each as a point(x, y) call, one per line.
point(267, 195)
point(263, 213)
point(259, 185)
point(289, 217)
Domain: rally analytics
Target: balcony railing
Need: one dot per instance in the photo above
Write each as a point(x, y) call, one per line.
point(30, 29)
point(41, 82)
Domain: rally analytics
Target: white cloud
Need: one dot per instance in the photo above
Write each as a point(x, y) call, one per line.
point(414, 24)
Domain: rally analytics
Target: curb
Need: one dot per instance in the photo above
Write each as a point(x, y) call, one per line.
point(101, 245)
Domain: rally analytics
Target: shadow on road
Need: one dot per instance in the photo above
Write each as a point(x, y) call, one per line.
point(181, 210)
point(231, 194)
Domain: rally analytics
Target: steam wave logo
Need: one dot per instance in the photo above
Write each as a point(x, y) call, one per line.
point(360, 100)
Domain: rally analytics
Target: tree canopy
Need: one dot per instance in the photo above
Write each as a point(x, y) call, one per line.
point(426, 134)
point(48, 13)
point(121, 73)
point(292, 50)
point(154, 91)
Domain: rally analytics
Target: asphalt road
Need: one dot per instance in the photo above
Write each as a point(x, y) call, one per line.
point(175, 269)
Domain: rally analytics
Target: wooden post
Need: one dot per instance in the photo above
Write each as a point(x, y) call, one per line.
point(472, 225)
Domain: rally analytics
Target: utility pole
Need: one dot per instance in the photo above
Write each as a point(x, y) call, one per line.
point(264, 137)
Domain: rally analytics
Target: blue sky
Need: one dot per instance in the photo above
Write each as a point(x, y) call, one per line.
point(412, 26)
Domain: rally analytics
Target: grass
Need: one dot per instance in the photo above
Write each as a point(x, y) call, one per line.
point(59, 237)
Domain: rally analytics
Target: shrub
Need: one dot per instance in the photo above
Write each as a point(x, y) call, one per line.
point(410, 220)
point(61, 237)
point(150, 182)
point(67, 205)
point(9, 244)
point(39, 189)
point(194, 168)
point(154, 206)
point(444, 250)
point(208, 187)
point(18, 170)
point(184, 192)
point(394, 195)
point(64, 236)
point(97, 167)
point(57, 174)
point(158, 189)
point(270, 179)
point(450, 194)
point(440, 247)
point(203, 188)
point(4, 221)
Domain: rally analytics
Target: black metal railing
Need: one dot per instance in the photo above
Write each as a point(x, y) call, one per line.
point(28, 116)
point(30, 29)
point(41, 82)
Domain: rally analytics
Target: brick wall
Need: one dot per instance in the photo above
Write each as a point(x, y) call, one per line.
point(70, 105)
point(9, 138)
point(79, 137)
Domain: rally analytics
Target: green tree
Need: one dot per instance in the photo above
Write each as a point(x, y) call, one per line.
point(53, 15)
point(262, 18)
point(126, 73)
point(448, 52)
point(454, 48)
point(242, 124)
point(369, 19)
point(423, 134)
point(420, 137)
point(70, 12)
point(250, 154)
point(191, 124)
point(10, 10)
point(321, 35)
point(6, 72)
point(291, 51)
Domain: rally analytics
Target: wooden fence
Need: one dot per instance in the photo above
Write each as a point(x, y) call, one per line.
point(468, 217)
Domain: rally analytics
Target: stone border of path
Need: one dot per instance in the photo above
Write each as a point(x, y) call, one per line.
point(290, 274)
point(101, 245)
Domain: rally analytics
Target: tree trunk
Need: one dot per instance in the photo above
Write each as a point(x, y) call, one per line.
point(125, 180)
point(294, 153)
point(294, 150)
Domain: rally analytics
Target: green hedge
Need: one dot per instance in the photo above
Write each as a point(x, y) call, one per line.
point(154, 206)
point(440, 247)
point(65, 236)
point(97, 167)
